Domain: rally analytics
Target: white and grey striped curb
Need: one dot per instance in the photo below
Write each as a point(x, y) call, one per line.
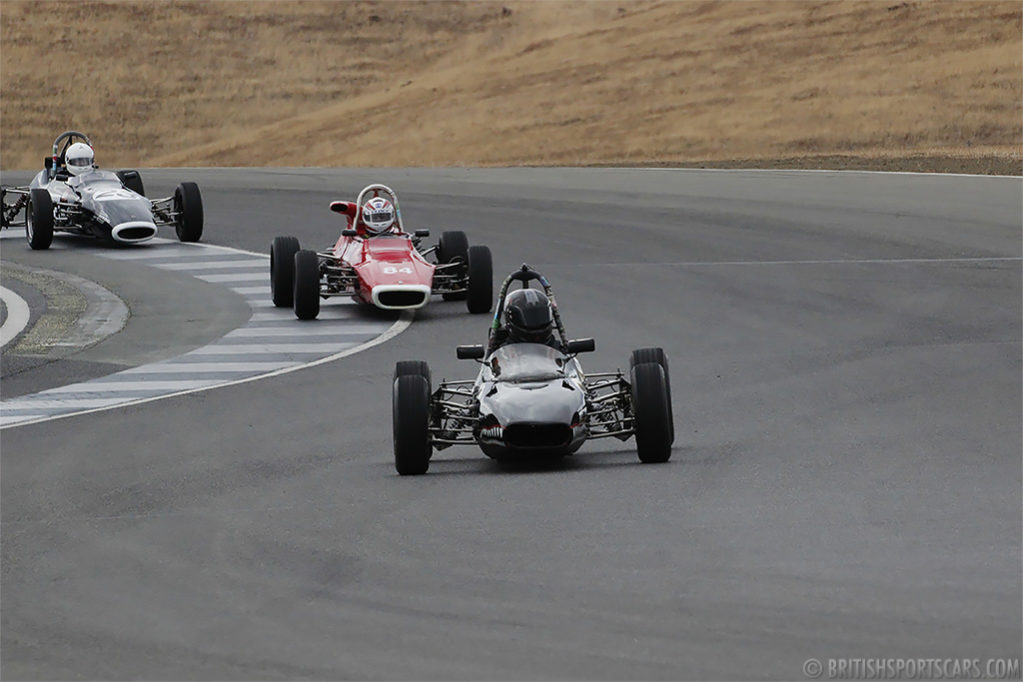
point(16, 315)
point(105, 312)
point(272, 342)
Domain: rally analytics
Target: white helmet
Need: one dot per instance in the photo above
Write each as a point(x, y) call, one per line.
point(79, 158)
point(378, 214)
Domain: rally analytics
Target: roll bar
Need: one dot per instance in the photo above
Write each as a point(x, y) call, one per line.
point(526, 274)
point(66, 135)
point(377, 189)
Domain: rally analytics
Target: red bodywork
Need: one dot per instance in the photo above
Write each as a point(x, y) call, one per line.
point(392, 274)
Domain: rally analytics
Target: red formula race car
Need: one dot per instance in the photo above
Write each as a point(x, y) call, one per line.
point(375, 261)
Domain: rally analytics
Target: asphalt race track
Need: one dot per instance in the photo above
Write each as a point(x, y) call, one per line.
point(846, 480)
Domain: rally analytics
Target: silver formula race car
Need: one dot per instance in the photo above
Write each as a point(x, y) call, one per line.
point(531, 400)
point(104, 204)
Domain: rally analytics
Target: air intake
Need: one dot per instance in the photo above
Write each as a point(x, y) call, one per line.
point(527, 435)
point(131, 234)
point(134, 231)
point(401, 299)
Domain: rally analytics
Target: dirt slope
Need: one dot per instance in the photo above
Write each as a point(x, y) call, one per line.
point(481, 83)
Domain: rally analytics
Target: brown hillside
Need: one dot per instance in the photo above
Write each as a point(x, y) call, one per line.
point(481, 83)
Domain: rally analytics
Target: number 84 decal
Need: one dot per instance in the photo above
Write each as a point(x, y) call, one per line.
point(391, 270)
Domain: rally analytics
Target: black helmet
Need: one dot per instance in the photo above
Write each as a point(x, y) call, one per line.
point(528, 315)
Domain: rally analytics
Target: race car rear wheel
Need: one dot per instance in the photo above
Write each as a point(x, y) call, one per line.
point(411, 417)
point(132, 181)
point(188, 207)
point(307, 285)
point(451, 246)
point(39, 219)
point(651, 413)
point(414, 368)
point(481, 280)
point(641, 355)
point(282, 270)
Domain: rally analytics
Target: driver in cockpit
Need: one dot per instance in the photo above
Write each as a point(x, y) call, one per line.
point(528, 318)
point(79, 159)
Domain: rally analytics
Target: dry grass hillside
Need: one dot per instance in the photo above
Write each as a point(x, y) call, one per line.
point(512, 83)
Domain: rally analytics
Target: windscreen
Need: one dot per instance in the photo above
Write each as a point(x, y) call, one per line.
point(524, 362)
point(96, 178)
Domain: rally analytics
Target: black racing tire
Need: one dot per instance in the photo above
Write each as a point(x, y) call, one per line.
point(282, 270)
point(451, 246)
point(481, 280)
point(414, 368)
point(188, 206)
point(307, 285)
point(39, 219)
point(651, 413)
point(411, 417)
point(132, 180)
point(641, 355)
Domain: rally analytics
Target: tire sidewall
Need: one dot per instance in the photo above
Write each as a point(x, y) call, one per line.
point(410, 421)
point(481, 280)
point(282, 270)
point(188, 205)
point(39, 219)
point(655, 354)
point(307, 285)
point(650, 412)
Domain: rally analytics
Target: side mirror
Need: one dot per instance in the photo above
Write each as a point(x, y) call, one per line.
point(339, 206)
point(471, 352)
point(580, 346)
point(48, 162)
point(349, 233)
point(422, 233)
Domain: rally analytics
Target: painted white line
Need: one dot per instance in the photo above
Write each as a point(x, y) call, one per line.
point(199, 367)
point(5, 420)
point(150, 253)
point(267, 303)
point(330, 312)
point(816, 170)
point(400, 325)
point(246, 291)
point(56, 403)
point(213, 265)
point(263, 348)
point(18, 315)
point(318, 330)
point(99, 387)
point(238, 277)
point(851, 261)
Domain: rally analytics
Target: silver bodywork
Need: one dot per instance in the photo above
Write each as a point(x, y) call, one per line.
point(97, 203)
point(530, 399)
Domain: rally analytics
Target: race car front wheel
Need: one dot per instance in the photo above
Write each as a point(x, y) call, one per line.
point(453, 245)
point(132, 181)
point(411, 418)
point(282, 270)
point(39, 219)
point(307, 285)
point(188, 207)
point(481, 280)
point(641, 355)
point(414, 367)
point(651, 413)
